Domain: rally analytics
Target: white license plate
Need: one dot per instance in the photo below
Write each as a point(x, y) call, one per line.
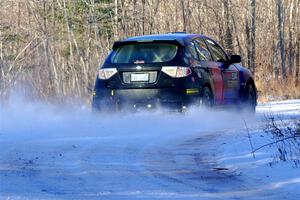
point(139, 77)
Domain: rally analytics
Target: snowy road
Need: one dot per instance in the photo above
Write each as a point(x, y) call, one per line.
point(52, 153)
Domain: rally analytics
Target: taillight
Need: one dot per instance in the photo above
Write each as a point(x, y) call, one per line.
point(106, 73)
point(176, 72)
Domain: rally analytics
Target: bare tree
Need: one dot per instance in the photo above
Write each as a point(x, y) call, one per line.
point(281, 36)
point(251, 34)
point(228, 26)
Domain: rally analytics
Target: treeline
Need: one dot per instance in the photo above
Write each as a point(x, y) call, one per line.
point(51, 49)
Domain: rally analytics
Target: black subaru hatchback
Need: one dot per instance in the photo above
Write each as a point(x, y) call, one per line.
point(174, 70)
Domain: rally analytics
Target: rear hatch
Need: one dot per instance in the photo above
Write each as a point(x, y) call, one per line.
point(139, 63)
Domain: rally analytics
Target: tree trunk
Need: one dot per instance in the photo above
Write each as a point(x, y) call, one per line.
point(250, 35)
point(281, 37)
point(253, 35)
point(275, 60)
point(2, 81)
point(1, 47)
point(51, 86)
point(115, 20)
point(297, 74)
point(143, 17)
point(228, 27)
point(183, 11)
point(297, 47)
point(291, 48)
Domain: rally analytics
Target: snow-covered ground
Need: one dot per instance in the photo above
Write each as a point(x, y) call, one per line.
point(48, 152)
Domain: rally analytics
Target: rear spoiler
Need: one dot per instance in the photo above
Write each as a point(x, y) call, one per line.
point(117, 44)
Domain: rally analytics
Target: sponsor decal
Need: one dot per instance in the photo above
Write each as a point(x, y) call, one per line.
point(232, 75)
point(192, 91)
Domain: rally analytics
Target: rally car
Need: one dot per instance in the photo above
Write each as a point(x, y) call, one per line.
point(174, 70)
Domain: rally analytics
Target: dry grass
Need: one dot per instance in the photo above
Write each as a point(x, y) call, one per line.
point(270, 90)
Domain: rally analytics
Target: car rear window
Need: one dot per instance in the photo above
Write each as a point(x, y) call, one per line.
point(144, 53)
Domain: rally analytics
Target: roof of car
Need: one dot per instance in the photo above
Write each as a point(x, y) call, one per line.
point(169, 36)
point(174, 37)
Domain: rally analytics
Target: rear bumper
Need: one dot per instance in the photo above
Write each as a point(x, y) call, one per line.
point(109, 99)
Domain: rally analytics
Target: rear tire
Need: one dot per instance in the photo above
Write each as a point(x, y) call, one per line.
point(206, 98)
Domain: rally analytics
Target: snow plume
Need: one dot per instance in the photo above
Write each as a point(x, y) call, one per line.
point(50, 151)
point(26, 118)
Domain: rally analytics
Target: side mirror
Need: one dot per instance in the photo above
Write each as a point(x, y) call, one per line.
point(235, 59)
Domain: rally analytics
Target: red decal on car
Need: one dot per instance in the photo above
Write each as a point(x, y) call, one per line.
point(218, 85)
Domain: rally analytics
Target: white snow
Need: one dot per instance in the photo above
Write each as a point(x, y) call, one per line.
point(53, 152)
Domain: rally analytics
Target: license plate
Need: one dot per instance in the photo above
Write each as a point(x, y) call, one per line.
point(139, 77)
